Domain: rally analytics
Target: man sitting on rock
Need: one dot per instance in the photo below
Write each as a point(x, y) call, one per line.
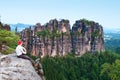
point(21, 52)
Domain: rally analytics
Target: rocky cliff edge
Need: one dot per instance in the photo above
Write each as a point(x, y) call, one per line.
point(13, 68)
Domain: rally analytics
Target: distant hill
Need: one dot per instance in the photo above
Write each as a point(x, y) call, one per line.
point(113, 33)
point(20, 26)
point(112, 39)
point(112, 30)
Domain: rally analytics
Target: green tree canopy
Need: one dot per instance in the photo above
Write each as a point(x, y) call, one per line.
point(87, 67)
point(112, 70)
point(9, 39)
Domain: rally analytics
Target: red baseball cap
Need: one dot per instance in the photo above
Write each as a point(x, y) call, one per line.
point(20, 42)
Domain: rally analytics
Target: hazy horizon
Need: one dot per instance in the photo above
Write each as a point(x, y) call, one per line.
point(105, 12)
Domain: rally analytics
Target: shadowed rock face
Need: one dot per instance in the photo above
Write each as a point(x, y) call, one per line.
point(56, 38)
point(13, 68)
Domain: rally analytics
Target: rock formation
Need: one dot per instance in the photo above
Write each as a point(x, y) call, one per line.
point(87, 37)
point(13, 68)
point(56, 38)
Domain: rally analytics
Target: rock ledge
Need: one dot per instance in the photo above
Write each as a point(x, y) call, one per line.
point(13, 68)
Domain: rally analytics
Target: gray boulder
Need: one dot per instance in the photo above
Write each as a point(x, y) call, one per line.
point(13, 68)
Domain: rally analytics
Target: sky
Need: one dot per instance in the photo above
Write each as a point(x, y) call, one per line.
point(105, 12)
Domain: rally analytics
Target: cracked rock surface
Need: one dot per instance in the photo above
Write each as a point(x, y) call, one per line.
point(13, 68)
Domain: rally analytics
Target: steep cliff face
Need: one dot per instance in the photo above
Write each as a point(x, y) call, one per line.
point(87, 37)
point(56, 38)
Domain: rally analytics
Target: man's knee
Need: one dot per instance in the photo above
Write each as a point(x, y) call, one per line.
point(22, 56)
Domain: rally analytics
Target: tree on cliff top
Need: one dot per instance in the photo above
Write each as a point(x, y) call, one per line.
point(87, 22)
point(8, 38)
